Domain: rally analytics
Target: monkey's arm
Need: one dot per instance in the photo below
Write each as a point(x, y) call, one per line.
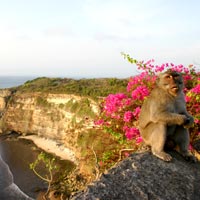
point(159, 113)
point(181, 109)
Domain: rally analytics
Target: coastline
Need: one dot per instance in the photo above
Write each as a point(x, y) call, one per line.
point(52, 147)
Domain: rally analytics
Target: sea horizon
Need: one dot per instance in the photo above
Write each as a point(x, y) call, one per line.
point(14, 81)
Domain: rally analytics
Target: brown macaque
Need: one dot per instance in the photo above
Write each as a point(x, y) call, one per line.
point(164, 117)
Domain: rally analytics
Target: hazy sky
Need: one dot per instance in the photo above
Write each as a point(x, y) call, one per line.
point(74, 38)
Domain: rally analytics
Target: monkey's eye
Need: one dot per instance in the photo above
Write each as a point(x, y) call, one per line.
point(168, 77)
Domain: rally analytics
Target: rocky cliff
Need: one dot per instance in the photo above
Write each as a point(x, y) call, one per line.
point(56, 116)
point(145, 177)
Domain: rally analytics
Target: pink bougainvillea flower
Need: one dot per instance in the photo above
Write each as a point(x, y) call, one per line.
point(172, 64)
point(187, 78)
point(137, 112)
point(127, 102)
point(137, 80)
point(131, 133)
point(196, 89)
point(128, 116)
point(140, 93)
point(99, 122)
point(159, 68)
point(187, 98)
point(186, 70)
point(139, 140)
point(113, 102)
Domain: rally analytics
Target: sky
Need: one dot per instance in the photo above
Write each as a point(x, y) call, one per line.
point(85, 38)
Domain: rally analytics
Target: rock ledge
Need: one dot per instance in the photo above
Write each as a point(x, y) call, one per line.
point(145, 177)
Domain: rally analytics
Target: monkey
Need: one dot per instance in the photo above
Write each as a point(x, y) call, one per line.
point(164, 117)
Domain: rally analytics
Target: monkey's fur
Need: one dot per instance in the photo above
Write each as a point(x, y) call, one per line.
point(164, 117)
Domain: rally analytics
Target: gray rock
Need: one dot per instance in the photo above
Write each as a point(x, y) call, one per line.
point(8, 189)
point(145, 177)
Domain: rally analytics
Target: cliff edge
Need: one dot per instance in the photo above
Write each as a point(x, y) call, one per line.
point(145, 177)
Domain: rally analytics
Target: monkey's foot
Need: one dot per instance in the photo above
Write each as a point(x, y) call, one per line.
point(189, 157)
point(162, 155)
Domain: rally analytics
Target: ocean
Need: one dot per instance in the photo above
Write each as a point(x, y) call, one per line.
point(13, 81)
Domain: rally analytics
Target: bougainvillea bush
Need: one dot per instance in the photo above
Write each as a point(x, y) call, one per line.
point(120, 111)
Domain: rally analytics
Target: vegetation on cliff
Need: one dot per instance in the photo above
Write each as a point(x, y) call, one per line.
point(96, 87)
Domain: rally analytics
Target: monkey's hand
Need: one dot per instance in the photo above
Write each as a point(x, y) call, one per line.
point(188, 122)
point(181, 119)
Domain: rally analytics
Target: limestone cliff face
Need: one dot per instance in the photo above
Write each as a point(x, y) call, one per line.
point(4, 94)
point(55, 116)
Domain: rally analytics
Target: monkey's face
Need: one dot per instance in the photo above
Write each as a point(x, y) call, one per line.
point(171, 82)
